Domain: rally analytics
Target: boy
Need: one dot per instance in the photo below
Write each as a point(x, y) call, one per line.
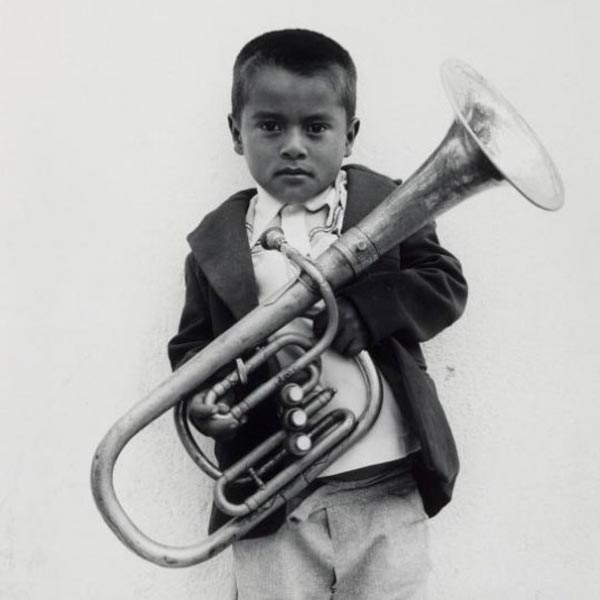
point(358, 531)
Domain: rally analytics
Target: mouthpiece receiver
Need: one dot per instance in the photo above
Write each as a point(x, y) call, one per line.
point(272, 238)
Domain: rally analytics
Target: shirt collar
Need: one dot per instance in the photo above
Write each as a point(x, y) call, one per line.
point(266, 207)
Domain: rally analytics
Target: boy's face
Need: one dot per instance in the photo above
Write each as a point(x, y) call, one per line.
point(293, 133)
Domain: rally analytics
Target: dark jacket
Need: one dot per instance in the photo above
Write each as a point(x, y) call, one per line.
point(409, 295)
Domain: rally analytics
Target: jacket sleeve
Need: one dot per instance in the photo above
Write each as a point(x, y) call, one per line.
point(195, 328)
point(412, 292)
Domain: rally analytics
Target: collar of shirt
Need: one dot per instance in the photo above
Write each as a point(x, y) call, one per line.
point(264, 207)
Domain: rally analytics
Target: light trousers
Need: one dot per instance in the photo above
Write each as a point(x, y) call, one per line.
point(359, 540)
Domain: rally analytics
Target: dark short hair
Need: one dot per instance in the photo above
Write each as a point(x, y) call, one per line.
point(300, 51)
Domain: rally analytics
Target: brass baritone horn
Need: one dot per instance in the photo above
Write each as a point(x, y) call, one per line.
point(487, 143)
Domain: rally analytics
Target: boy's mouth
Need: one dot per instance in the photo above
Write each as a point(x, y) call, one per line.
point(293, 171)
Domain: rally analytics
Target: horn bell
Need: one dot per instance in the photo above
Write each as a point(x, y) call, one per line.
point(502, 135)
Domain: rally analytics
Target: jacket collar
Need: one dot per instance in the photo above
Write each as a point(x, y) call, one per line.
point(220, 242)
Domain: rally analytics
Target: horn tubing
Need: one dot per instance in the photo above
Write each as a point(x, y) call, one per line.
point(183, 556)
point(344, 421)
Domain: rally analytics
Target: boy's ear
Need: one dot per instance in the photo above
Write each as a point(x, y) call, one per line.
point(236, 136)
point(351, 133)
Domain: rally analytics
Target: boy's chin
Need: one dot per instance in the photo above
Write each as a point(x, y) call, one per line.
point(296, 194)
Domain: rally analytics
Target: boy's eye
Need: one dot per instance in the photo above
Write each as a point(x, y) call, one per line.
point(269, 126)
point(316, 128)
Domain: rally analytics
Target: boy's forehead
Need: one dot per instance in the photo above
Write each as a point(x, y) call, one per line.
point(278, 89)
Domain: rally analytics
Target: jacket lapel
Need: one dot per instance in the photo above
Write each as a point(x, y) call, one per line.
point(220, 245)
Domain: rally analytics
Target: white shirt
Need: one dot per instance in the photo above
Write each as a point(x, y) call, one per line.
point(311, 227)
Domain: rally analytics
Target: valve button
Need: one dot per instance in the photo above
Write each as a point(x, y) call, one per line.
point(299, 444)
point(297, 418)
point(292, 394)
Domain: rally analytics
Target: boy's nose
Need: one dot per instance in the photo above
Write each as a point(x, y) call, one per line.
point(293, 145)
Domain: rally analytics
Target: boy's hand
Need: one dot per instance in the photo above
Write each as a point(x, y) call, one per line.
point(208, 420)
point(351, 336)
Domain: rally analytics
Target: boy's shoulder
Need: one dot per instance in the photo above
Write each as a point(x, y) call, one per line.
point(219, 222)
point(366, 172)
point(366, 190)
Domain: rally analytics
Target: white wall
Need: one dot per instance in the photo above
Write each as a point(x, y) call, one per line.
point(113, 146)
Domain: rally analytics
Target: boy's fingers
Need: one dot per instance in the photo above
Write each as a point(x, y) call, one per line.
point(355, 344)
point(347, 344)
point(351, 336)
point(207, 419)
point(198, 409)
